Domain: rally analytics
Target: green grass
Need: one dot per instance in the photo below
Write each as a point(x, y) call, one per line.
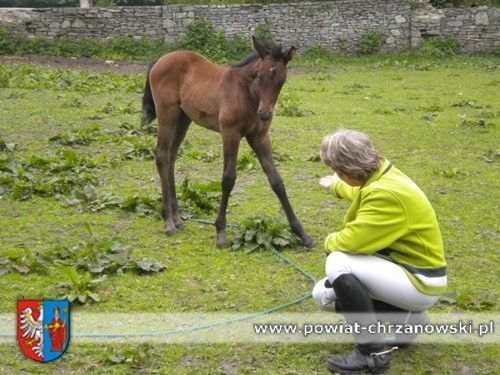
point(434, 119)
point(247, 359)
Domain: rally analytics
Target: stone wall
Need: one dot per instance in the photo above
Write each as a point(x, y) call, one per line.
point(88, 22)
point(476, 29)
point(335, 25)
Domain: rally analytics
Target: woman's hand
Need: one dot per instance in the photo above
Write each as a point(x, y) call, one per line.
point(327, 181)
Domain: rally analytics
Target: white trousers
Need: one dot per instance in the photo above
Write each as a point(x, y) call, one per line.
point(384, 280)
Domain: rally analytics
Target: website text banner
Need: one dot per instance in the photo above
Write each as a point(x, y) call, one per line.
point(320, 327)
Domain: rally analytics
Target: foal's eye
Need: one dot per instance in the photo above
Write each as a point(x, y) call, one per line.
point(272, 71)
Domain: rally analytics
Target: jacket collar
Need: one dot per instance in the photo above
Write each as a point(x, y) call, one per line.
point(385, 166)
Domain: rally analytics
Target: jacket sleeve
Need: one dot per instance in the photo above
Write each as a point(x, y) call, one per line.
point(380, 221)
point(343, 190)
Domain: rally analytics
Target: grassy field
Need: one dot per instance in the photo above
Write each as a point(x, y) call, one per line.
point(81, 162)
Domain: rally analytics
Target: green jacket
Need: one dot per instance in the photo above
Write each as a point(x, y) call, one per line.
point(391, 217)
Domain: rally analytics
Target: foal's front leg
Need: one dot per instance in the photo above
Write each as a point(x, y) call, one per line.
point(231, 143)
point(261, 144)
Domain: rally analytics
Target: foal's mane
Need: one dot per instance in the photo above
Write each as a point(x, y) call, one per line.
point(275, 50)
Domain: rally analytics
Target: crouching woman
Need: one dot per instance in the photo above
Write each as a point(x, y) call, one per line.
point(389, 255)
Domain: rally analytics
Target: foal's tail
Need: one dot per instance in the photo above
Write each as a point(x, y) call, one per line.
point(148, 103)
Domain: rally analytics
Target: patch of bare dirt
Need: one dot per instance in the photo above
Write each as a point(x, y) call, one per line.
point(191, 361)
point(92, 65)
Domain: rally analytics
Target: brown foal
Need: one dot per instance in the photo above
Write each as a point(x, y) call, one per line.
point(236, 101)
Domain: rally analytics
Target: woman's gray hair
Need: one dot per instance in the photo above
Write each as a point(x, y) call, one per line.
point(350, 152)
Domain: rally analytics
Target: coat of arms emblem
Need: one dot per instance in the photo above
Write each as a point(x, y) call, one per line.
point(43, 328)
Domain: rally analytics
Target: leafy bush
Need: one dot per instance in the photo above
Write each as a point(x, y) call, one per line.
point(440, 46)
point(138, 2)
point(80, 288)
point(262, 231)
point(194, 199)
point(90, 199)
point(139, 148)
point(7, 45)
point(35, 77)
point(289, 105)
point(197, 197)
point(39, 3)
point(47, 176)
point(316, 55)
point(120, 48)
point(100, 256)
point(129, 130)
point(202, 37)
point(316, 52)
point(237, 48)
point(78, 136)
point(370, 42)
point(23, 262)
point(142, 49)
point(188, 151)
point(97, 255)
point(76, 3)
point(247, 161)
point(455, 3)
point(142, 205)
point(263, 32)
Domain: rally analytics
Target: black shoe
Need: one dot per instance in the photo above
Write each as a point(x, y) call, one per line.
point(357, 362)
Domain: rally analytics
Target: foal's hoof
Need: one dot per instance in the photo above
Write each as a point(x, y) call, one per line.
point(179, 224)
point(308, 241)
point(170, 230)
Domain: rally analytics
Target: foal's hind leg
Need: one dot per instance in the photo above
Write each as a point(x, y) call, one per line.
point(168, 119)
point(180, 133)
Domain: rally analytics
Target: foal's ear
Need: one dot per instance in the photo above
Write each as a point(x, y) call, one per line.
point(291, 53)
point(259, 47)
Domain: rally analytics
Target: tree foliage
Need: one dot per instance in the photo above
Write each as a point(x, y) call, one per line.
point(38, 3)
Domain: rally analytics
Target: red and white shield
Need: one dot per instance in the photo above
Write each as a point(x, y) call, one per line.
point(43, 328)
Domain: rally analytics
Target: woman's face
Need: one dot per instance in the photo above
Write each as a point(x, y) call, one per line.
point(349, 180)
